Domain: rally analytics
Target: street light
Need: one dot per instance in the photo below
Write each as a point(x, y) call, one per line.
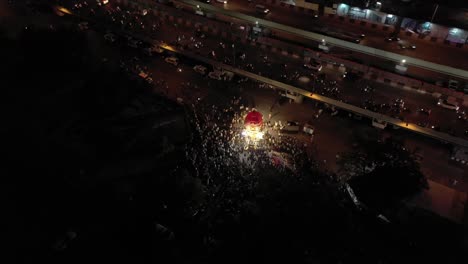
point(256, 23)
point(403, 61)
point(198, 6)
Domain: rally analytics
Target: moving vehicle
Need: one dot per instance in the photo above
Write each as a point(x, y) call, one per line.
point(172, 60)
point(217, 75)
point(425, 111)
point(392, 38)
point(102, 2)
point(145, 76)
point(449, 105)
point(261, 9)
point(407, 46)
point(200, 69)
point(343, 36)
point(313, 65)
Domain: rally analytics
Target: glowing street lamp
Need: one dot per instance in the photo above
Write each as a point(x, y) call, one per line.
point(403, 61)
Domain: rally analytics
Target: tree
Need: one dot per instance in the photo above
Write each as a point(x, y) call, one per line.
point(382, 173)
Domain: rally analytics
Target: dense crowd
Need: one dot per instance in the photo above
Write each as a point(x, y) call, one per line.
point(227, 164)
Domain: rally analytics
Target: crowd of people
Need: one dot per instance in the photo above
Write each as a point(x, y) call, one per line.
point(227, 164)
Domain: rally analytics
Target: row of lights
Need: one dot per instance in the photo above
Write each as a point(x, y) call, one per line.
point(403, 61)
point(323, 40)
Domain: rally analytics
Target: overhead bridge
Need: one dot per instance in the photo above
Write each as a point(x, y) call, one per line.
point(338, 104)
point(450, 71)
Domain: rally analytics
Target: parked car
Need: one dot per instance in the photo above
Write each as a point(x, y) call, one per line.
point(110, 37)
point(172, 60)
point(133, 43)
point(64, 241)
point(83, 26)
point(308, 129)
point(217, 75)
point(157, 49)
point(200, 69)
point(291, 126)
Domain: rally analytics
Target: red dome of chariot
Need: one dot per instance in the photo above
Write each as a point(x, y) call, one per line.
point(253, 118)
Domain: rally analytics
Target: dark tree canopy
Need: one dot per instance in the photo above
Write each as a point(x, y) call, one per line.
point(383, 172)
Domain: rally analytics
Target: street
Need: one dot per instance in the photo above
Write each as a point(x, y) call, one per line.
point(334, 134)
point(272, 67)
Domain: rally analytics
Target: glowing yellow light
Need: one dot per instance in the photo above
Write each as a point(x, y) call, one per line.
point(252, 134)
point(64, 10)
